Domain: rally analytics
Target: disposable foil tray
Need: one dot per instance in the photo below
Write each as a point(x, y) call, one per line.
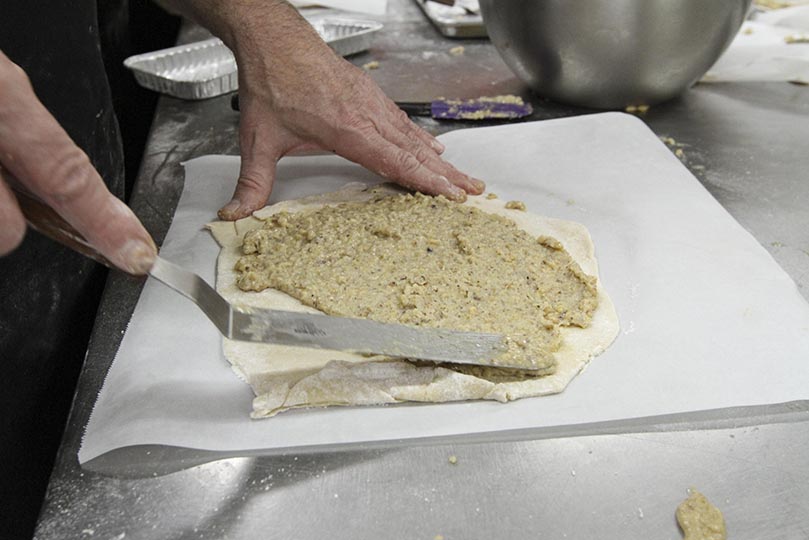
point(460, 20)
point(208, 68)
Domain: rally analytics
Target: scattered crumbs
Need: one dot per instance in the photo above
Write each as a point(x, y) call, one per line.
point(570, 202)
point(640, 513)
point(777, 244)
point(747, 31)
point(491, 196)
point(453, 460)
point(640, 109)
point(796, 38)
point(572, 472)
point(89, 532)
point(457, 51)
point(438, 537)
point(676, 147)
point(373, 64)
point(516, 205)
point(699, 519)
point(336, 495)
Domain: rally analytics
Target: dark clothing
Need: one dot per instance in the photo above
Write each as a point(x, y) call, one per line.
point(49, 293)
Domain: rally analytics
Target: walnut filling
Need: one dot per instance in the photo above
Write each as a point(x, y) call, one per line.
point(425, 261)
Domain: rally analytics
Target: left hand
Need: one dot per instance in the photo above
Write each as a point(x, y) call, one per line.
point(297, 94)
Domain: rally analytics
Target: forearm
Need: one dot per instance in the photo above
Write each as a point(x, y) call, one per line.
point(247, 26)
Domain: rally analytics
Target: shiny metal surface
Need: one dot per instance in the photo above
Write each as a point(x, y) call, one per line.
point(746, 144)
point(318, 331)
point(611, 53)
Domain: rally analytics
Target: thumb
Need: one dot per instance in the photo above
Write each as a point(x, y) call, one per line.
point(257, 172)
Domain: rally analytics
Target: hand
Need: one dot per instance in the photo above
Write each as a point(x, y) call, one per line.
point(296, 94)
point(318, 100)
point(41, 155)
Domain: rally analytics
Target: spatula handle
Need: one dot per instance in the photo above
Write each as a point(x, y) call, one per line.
point(44, 219)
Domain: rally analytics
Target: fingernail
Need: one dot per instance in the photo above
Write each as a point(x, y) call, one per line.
point(229, 209)
point(456, 193)
point(137, 257)
point(478, 185)
point(437, 146)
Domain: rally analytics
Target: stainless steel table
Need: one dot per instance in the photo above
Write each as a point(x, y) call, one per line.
point(745, 142)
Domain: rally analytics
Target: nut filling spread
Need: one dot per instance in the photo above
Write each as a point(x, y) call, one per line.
point(425, 261)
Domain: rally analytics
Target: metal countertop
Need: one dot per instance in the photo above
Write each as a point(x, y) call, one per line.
point(745, 142)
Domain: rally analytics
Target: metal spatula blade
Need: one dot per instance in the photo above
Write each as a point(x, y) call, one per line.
point(335, 333)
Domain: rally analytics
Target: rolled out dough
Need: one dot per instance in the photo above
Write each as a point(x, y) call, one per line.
point(285, 377)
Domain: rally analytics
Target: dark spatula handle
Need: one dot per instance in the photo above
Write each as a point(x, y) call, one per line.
point(411, 108)
point(44, 219)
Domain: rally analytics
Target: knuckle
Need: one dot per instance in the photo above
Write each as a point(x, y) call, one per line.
point(423, 155)
point(402, 117)
point(71, 178)
point(11, 235)
point(13, 79)
point(252, 181)
point(406, 163)
point(358, 123)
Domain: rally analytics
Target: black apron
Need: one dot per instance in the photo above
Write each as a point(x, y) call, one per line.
point(49, 294)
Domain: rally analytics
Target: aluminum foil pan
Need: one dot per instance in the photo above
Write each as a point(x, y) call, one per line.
point(460, 20)
point(207, 68)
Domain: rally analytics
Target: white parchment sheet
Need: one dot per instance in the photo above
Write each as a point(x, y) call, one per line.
point(774, 46)
point(709, 320)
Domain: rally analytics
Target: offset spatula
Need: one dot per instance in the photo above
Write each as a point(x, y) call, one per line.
point(327, 332)
point(293, 328)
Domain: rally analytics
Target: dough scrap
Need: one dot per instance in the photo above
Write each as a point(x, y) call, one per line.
point(699, 519)
point(284, 377)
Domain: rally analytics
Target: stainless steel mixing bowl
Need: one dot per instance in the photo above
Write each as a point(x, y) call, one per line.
point(611, 53)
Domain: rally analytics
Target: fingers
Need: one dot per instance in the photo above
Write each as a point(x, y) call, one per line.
point(40, 154)
point(383, 116)
point(12, 223)
point(257, 174)
point(396, 152)
point(403, 122)
point(373, 151)
point(406, 139)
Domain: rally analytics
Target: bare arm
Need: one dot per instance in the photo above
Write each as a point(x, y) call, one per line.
point(296, 93)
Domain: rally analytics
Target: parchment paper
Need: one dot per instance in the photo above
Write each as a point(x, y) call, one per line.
point(708, 318)
point(762, 50)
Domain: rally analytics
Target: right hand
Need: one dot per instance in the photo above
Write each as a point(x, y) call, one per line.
point(40, 154)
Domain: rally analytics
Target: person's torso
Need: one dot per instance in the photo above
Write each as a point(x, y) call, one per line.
point(56, 43)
